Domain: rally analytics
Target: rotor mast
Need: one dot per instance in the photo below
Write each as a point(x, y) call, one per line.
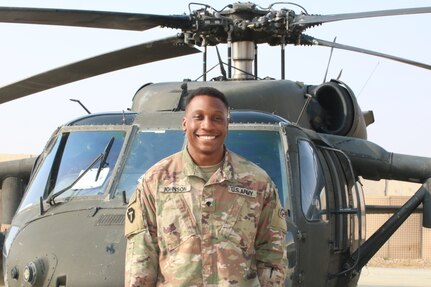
point(243, 58)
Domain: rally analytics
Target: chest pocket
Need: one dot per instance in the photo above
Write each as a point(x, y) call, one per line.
point(241, 223)
point(176, 223)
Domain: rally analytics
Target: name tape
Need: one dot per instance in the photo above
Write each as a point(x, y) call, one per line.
point(175, 188)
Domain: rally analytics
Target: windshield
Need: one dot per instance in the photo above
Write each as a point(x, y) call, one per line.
point(264, 148)
point(71, 156)
point(148, 148)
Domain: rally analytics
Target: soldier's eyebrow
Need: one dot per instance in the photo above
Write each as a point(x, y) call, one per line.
point(214, 112)
point(221, 112)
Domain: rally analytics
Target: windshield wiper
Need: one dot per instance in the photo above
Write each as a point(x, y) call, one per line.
point(102, 157)
point(105, 154)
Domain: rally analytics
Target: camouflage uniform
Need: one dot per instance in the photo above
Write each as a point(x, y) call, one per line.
point(229, 231)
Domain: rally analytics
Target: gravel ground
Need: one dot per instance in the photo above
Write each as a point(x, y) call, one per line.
point(400, 263)
point(394, 277)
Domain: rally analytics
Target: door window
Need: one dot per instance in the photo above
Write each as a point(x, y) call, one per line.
point(313, 191)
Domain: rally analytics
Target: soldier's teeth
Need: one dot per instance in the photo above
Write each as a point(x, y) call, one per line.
point(207, 137)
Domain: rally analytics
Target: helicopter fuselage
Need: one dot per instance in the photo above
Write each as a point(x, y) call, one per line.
point(78, 201)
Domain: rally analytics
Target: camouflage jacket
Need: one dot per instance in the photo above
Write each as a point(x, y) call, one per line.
point(229, 231)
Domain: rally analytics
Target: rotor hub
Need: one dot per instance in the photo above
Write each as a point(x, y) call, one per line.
point(241, 22)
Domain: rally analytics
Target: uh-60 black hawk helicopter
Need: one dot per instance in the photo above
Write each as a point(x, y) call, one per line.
point(66, 229)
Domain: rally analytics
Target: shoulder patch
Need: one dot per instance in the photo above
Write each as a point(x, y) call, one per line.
point(134, 217)
point(279, 219)
point(131, 214)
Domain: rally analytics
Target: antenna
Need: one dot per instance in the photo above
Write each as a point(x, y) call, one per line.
point(369, 77)
point(329, 61)
point(339, 75)
point(79, 102)
point(307, 102)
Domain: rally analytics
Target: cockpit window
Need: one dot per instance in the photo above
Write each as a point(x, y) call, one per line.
point(148, 148)
point(313, 191)
point(37, 186)
point(264, 148)
point(261, 147)
point(89, 154)
point(80, 151)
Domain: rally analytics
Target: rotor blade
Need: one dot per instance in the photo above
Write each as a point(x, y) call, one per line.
point(91, 19)
point(124, 58)
point(308, 40)
point(317, 19)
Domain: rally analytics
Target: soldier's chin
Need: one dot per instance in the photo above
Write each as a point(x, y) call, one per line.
point(210, 150)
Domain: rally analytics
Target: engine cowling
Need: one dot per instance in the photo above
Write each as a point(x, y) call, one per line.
point(334, 110)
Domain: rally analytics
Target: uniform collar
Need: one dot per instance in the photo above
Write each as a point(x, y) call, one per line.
point(224, 173)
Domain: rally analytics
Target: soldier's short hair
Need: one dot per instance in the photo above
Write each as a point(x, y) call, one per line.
point(207, 91)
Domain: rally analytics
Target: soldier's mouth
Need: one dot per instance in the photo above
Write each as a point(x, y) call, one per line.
point(206, 137)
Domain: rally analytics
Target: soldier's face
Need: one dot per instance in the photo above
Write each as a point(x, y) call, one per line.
point(205, 124)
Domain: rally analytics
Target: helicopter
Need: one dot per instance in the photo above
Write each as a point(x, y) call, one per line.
point(66, 228)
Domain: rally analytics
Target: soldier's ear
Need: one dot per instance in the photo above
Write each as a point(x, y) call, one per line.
point(184, 124)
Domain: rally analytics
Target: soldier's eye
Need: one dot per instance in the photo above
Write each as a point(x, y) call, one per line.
point(218, 118)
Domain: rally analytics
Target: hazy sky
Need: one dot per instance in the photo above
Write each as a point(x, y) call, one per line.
point(398, 94)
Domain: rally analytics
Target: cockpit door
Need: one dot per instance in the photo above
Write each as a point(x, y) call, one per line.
point(309, 193)
point(325, 207)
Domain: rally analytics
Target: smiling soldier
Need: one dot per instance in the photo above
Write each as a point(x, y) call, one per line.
point(205, 216)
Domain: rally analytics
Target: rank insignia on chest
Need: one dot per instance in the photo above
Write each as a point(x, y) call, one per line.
point(243, 191)
point(173, 188)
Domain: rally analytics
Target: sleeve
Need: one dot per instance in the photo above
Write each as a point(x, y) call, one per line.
point(270, 244)
point(142, 251)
